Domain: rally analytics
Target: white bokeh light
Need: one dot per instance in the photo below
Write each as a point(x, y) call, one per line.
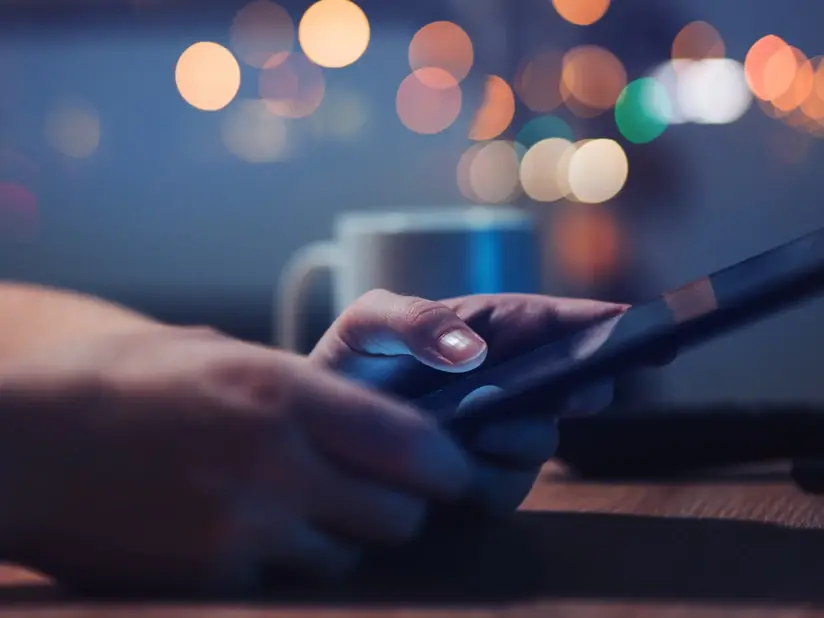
point(714, 91)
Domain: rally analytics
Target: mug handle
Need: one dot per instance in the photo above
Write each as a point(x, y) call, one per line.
point(298, 271)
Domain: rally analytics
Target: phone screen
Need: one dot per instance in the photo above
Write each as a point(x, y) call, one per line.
point(681, 317)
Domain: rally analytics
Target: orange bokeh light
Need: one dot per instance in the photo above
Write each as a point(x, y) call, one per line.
point(581, 12)
point(496, 112)
point(770, 67)
point(593, 76)
point(537, 82)
point(587, 244)
point(260, 30)
point(207, 76)
point(429, 100)
point(443, 45)
point(801, 86)
point(698, 41)
point(292, 86)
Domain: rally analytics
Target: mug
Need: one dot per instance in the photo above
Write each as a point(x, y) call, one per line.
point(432, 253)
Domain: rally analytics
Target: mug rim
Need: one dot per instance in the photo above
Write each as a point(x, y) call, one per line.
point(450, 218)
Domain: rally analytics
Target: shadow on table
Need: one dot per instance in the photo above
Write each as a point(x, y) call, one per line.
point(542, 555)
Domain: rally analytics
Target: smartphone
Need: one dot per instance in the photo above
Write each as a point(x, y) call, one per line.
point(530, 384)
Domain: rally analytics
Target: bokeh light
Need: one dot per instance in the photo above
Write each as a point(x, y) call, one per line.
point(292, 87)
point(443, 45)
point(494, 172)
point(19, 217)
point(334, 33)
point(343, 115)
point(666, 108)
point(769, 67)
point(464, 169)
point(73, 129)
point(207, 76)
point(496, 111)
point(642, 110)
point(253, 133)
point(429, 100)
point(800, 87)
point(260, 30)
point(593, 76)
point(714, 91)
point(537, 81)
point(598, 171)
point(587, 244)
point(697, 41)
point(541, 128)
point(581, 12)
point(544, 177)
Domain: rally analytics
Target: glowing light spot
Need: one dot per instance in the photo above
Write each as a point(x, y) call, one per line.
point(801, 86)
point(253, 133)
point(642, 111)
point(593, 76)
point(207, 76)
point(537, 82)
point(714, 91)
point(293, 87)
point(587, 244)
point(429, 101)
point(666, 109)
point(494, 172)
point(581, 12)
point(598, 171)
point(442, 45)
point(543, 176)
point(261, 30)
point(496, 112)
point(73, 129)
point(334, 33)
point(698, 41)
point(769, 67)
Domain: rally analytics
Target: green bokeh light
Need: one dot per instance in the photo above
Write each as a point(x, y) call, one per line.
point(643, 110)
point(541, 128)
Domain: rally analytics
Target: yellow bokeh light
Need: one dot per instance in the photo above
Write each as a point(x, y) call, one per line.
point(334, 33)
point(293, 87)
point(537, 82)
point(544, 170)
point(496, 112)
point(769, 67)
point(698, 41)
point(593, 76)
point(429, 101)
point(581, 12)
point(443, 45)
point(598, 171)
point(207, 76)
point(494, 172)
point(260, 30)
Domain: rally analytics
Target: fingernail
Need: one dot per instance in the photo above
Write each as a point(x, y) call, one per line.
point(461, 346)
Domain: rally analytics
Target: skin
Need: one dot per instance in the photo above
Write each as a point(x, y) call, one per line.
point(139, 457)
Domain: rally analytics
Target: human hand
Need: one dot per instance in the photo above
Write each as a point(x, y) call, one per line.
point(180, 459)
point(409, 346)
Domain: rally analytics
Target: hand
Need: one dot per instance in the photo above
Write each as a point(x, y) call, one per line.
point(409, 346)
point(181, 459)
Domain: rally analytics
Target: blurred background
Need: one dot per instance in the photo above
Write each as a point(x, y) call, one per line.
point(172, 155)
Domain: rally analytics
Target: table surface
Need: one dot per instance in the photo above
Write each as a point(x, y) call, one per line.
point(746, 543)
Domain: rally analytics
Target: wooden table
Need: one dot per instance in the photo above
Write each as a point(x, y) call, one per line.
point(744, 544)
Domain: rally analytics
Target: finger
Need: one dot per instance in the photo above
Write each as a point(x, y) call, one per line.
point(309, 552)
point(498, 491)
point(523, 443)
point(364, 511)
point(386, 324)
point(378, 438)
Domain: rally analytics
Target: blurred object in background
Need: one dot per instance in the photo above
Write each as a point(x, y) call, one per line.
point(172, 155)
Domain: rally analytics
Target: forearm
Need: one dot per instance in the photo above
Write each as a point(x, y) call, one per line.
point(34, 317)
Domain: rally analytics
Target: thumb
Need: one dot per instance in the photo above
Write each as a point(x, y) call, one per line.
point(381, 323)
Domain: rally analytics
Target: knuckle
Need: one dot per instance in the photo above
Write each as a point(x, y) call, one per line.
point(421, 313)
